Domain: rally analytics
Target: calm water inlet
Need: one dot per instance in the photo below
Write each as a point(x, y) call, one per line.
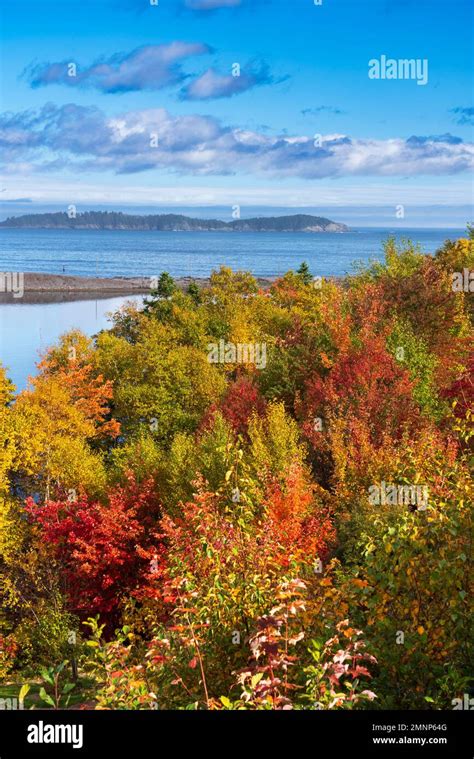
point(26, 330)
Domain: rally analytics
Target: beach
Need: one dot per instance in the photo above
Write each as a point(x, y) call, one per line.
point(57, 288)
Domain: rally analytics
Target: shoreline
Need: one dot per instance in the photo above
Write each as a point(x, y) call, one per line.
point(57, 288)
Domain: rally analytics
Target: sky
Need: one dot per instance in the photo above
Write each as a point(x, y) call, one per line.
point(270, 104)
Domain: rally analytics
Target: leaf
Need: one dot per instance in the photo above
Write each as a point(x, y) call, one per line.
point(369, 693)
point(256, 679)
point(46, 675)
point(23, 692)
point(69, 687)
point(360, 671)
point(226, 702)
point(296, 639)
point(46, 697)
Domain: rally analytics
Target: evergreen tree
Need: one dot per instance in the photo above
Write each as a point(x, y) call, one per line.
point(305, 273)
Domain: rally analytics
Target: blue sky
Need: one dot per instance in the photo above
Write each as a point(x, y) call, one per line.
point(155, 116)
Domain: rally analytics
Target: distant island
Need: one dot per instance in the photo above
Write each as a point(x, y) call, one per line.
point(173, 223)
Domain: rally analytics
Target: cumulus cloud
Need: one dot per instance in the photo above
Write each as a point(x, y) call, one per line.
point(84, 138)
point(150, 67)
point(212, 84)
point(464, 115)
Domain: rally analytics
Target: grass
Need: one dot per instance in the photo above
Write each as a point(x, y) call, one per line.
point(83, 692)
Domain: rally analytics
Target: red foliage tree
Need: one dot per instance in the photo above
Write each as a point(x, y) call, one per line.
point(298, 528)
point(105, 551)
point(462, 391)
point(241, 401)
point(365, 382)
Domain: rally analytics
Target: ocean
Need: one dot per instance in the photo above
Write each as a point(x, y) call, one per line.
point(123, 253)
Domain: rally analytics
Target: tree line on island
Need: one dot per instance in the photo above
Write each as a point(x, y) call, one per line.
point(172, 222)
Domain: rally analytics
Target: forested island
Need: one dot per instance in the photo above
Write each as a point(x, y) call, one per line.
point(172, 223)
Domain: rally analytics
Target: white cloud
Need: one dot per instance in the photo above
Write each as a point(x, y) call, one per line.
point(83, 138)
point(150, 67)
point(213, 84)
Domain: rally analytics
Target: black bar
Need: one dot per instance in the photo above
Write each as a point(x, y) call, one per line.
point(117, 734)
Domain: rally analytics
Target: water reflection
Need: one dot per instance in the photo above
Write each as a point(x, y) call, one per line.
point(27, 329)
